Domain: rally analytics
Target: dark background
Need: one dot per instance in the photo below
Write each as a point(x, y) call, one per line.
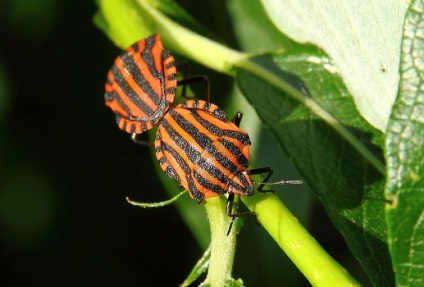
point(65, 168)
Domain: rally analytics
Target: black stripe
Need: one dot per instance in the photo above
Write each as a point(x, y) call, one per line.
point(206, 105)
point(193, 155)
point(200, 138)
point(233, 149)
point(208, 185)
point(203, 141)
point(247, 188)
point(115, 96)
point(141, 81)
point(171, 173)
point(241, 137)
point(166, 54)
point(143, 126)
point(197, 195)
point(170, 91)
point(208, 125)
point(161, 160)
point(109, 97)
point(148, 57)
point(122, 83)
point(169, 65)
point(217, 174)
point(171, 77)
point(178, 158)
point(135, 47)
point(218, 113)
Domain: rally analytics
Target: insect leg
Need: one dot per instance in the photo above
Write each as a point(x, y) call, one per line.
point(135, 139)
point(183, 67)
point(262, 170)
point(237, 118)
point(234, 215)
point(194, 80)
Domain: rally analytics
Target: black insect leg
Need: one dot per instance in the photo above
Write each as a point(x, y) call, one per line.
point(136, 140)
point(195, 80)
point(183, 68)
point(262, 170)
point(237, 118)
point(234, 215)
point(230, 201)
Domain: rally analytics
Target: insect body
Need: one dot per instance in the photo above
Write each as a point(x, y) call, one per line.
point(206, 153)
point(141, 85)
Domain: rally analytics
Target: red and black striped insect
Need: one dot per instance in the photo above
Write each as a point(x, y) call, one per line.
point(205, 152)
point(141, 85)
point(195, 143)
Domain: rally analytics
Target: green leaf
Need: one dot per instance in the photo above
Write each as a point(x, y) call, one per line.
point(340, 158)
point(266, 36)
point(405, 157)
point(361, 37)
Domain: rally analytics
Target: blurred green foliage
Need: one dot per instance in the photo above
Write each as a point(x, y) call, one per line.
point(27, 207)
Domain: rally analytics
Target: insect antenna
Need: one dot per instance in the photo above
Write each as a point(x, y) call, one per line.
point(281, 182)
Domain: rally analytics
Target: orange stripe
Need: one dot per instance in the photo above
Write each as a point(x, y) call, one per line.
point(136, 88)
point(154, 82)
point(157, 51)
point(205, 154)
point(165, 137)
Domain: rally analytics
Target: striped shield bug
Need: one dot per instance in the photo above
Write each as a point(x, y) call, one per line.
point(141, 85)
point(206, 153)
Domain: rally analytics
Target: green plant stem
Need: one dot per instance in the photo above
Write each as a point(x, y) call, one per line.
point(123, 23)
point(305, 252)
point(128, 21)
point(190, 44)
point(222, 246)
